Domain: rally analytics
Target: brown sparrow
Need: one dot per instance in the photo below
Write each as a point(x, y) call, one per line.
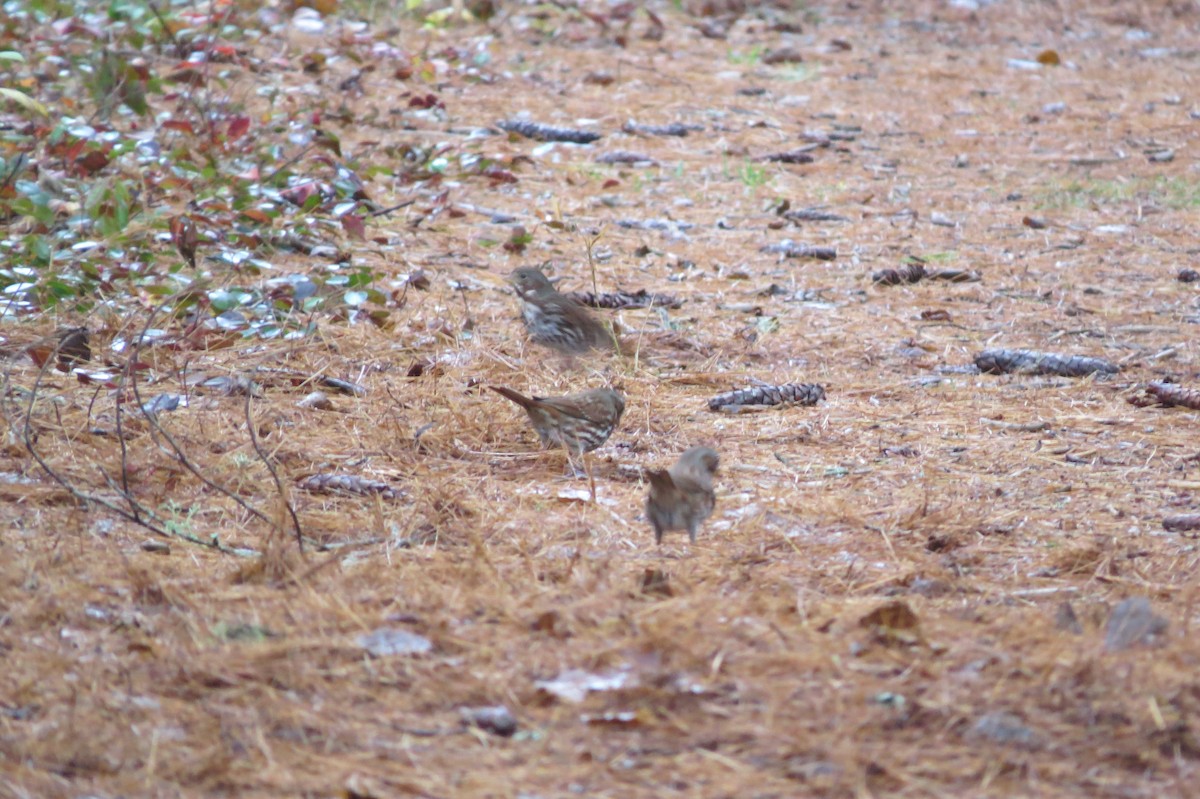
point(579, 422)
point(554, 320)
point(681, 497)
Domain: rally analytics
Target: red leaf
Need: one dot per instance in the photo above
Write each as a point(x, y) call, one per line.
point(179, 124)
point(238, 127)
point(183, 234)
point(187, 73)
point(255, 215)
point(428, 101)
point(40, 355)
point(354, 227)
point(68, 27)
point(497, 175)
point(92, 163)
point(68, 150)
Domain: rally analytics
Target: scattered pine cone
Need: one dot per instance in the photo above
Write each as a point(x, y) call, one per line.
point(789, 249)
point(909, 273)
point(766, 396)
point(1167, 394)
point(1183, 523)
point(625, 157)
point(1030, 362)
point(813, 215)
point(616, 300)
point(800, 155)
point(915, 272)
point(540, 132)
point(674, 129)
point(345, 484)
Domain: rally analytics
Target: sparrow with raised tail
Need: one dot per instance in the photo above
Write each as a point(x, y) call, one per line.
point(682, 497)
point(578, 422)
point(554, 320)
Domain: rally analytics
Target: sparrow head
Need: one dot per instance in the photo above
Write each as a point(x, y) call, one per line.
point(699, 460)
point(528, 281)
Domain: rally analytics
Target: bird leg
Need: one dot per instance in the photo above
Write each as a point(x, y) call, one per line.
point(587, 466)
point(587, 472)
point(574, 471)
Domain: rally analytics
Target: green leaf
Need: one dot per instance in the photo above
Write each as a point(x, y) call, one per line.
point(227, 299)
point(134, 96)
point(41, 250)
point(239, 631)
point(60, 290)
point(363, 277)
point(25, 101)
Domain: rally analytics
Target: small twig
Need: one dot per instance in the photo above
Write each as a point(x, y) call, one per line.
point(887, 540)
point(134, 515)
point(659, 74)
point(125, 491)
point(274, 475)
point(17, 164)
point(1024, 427)
point(179, 51)
point(267, 180)
point(470, 323)
point(390, 209)
point(161, 527)
point(152, 419)
point(1028, 592)
point(587, 467)
point(296, 579)
point(591, 244)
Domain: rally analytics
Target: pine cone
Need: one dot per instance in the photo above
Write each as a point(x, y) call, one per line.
point(624, 299)
point(1166, 395)
point(536, 130)
point(999, 361)
point(908, 273)
point(786, 394)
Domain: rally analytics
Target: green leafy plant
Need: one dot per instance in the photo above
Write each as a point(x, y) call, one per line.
point(753, 175)
point(750, 57)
